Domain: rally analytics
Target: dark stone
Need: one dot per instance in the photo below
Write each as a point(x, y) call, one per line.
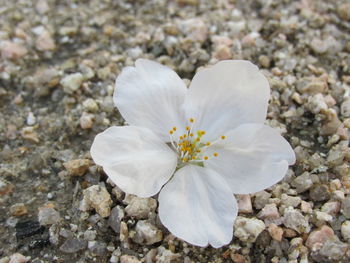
point(264, 239)
point(319, 193)
point(40, 242)
point(28, 228)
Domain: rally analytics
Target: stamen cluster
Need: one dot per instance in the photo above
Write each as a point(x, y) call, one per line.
point(190, 145)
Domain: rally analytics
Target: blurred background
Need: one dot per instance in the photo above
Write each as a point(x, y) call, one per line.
point(59, 60)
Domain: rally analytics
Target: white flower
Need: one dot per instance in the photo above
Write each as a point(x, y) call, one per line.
point(196, 146)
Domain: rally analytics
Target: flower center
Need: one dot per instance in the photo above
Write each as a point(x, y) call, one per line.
point(191, 145)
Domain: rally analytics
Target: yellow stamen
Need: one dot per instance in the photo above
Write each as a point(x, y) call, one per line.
point(181, 138)
point(191, 134)
point(184, 135)
point(223, 137)
point(171, 131)
point(207, 144)
point(198, 139)
point(216, 154)
point(206, 157)
point(203, 132)
point(174, 128)
point(187, 128)
point(191, 120)
point(194, 157)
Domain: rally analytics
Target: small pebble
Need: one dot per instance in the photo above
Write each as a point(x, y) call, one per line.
point(86, 120)
point(345, 230)
point(269, 211)
point(18, 209)
point(319, 193)
point(345, 108)
point(140, 208)
point(345, 207)
point(5, 187)
point(10, 50)
point(18, 258)
point(97, 248)
point(45, 42)
point(248, 229)
point(117, 214)
point(98, 198)
point(146, 233)
point(295, 220)
point(31, 120)
point(319, 236)
point(90, 105)
point(129, 259)
point(344, 11)
point(244, 204)
point(261, 199)
point(302, 183)
point(73, 245)
point(72, 82)
point(29, 134)
point(48, 216)
point(165, 255)
point(275, 232)
point(77, 167)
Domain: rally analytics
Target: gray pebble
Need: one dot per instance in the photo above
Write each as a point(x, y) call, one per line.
point(319, 193)
point(261, 199)
point(115, 217)
point(97, 248)
point(295, 220)
point(302, 183)
point(345, 207)
point(48, 216)
point(73, 245)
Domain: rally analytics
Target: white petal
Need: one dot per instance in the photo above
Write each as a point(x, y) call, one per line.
point(251, 158)
point(197, 206)
point(228, 94)
point(150, 95)
point(134, 158)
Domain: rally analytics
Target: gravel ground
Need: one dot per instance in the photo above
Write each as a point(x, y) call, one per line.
point(59, 60)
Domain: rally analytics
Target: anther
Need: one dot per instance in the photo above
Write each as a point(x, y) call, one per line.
point(203, 132)
point(207, 144)
point(191, 134)
point(191, 120)
point(216, 154)
point(206, 157)
point(174, 128)
point(223, 137)
point(171, 131)
point(187, 128)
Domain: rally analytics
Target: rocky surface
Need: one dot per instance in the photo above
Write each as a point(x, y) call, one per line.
point(58, 64)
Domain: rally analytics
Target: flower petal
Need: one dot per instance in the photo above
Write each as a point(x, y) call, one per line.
point(251, 158)
point(228, 94)
point(150, 95)
point(197, 206)
point(134, 158)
